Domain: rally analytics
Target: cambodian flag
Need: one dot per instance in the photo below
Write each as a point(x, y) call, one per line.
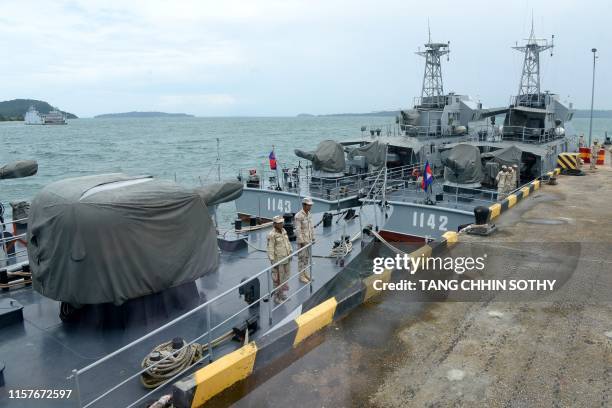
point(272, 158)
point(427, 177)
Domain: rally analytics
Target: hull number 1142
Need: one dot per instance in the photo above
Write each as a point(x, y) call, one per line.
point(422, 220)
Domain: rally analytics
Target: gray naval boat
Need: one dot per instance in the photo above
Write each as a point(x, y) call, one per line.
point(112, 286)
point(341, 173)
point(460, 141)
point(536, 129)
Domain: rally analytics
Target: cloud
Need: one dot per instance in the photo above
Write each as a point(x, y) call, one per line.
point(280, 57)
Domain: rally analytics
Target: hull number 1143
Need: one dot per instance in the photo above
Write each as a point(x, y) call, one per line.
point(276, 204)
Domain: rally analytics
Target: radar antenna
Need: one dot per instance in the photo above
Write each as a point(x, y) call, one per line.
point(529, 87)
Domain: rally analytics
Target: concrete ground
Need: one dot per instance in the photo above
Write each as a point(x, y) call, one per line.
point(547, 351)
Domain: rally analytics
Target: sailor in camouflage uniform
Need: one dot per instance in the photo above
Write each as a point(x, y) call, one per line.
point(501, 183)
point(279, 248)
point(594, 153)
point(304, 232)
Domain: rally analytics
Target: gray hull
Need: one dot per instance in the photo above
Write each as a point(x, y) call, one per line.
point(268, 203)
point(425, 221)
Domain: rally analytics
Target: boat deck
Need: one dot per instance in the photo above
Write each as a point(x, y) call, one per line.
point(41, 352)
point(463, 199)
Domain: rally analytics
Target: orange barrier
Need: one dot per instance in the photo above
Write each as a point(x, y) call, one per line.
point(601, 156)
point(585, 155)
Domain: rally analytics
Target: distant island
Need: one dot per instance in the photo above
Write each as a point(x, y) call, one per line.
point(143, 115)
point(15, 109)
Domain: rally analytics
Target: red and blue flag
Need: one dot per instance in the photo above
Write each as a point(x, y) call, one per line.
point(272, 158)
point(427, 177)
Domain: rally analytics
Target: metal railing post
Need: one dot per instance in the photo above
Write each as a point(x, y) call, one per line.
point(270, 295)
point(209, 325)
point(77, 387)
point(310, 266)
point(4, 248)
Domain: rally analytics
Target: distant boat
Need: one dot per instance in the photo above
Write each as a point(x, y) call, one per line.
point(33, 117)
point(54, 117)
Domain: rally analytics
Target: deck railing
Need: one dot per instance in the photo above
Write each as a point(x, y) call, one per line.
point(329, 188)
point(205, 311)
point(522, 134)
point(480, 196)
point(10, 251)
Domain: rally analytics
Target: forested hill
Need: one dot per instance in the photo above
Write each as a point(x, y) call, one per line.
point(16, 109)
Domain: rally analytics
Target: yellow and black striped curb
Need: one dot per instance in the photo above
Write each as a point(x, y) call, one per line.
point(495, 210)
point(199, 387)
point(205, 383)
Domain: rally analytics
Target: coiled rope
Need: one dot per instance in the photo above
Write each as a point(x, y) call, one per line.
point(345, 247)
point(341, 250)
point(174, 360)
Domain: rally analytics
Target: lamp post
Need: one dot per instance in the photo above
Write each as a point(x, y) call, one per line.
point(594, 50)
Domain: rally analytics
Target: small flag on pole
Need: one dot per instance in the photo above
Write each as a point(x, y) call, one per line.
point(427, 177)
point(272, 158)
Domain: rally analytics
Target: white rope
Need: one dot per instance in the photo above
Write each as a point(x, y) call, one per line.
point(398, 251)
point(256, 227)
point(246, 239)
point(387, 244)
point(341, 250)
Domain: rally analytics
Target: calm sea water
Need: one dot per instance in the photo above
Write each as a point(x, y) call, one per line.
point(183, 149)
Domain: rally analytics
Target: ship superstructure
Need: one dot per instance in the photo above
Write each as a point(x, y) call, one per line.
point(535, 119)
point(33, 117)
point(436, 113)
point(55, 117)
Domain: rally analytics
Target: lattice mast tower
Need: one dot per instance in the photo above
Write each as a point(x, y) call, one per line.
point(529, 93)
point(432, 92)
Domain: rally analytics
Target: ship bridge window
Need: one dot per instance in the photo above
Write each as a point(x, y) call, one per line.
point(570, 116)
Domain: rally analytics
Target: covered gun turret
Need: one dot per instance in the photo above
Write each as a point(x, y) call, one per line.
point(112, 237)
point(374, 154)
point(328, 157)
point(219, 193)
point(462, 166)
point(19, 169)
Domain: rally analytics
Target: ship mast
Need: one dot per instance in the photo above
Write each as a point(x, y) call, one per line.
point(432, 93)
point(529, 87)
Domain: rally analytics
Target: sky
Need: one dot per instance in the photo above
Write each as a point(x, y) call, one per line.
point(282, 58)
